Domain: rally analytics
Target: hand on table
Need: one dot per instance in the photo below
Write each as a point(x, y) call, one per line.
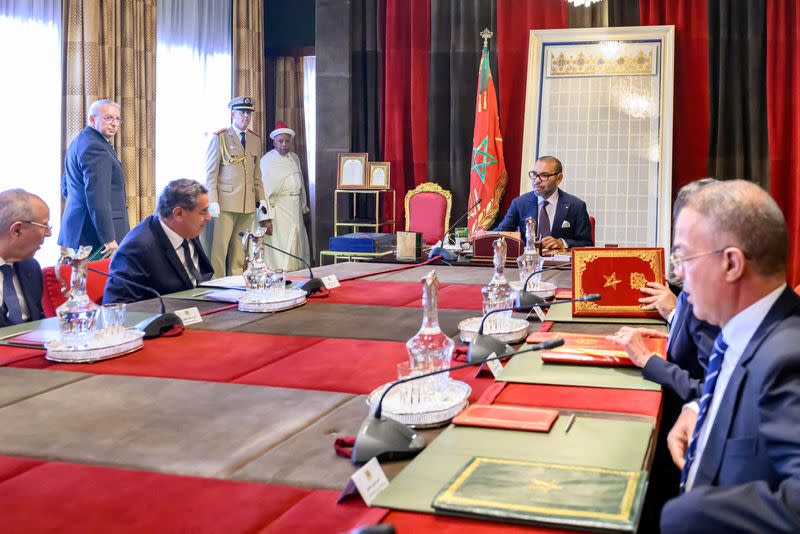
point(678, 438)
point(660, 298)
point(632, 340)
point(552, 243)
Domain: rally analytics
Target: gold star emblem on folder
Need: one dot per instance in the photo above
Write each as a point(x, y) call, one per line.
point(612, 280)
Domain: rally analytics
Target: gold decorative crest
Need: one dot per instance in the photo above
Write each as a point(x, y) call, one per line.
point(589, 63)
point(638, 280)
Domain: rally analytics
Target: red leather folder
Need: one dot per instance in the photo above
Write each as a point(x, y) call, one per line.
point(592, 349)
point(618, 275)
point(577, 358)
point(507, 417)
point(483, 251)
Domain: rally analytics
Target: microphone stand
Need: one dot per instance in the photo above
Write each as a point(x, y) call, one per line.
point(389, 439)
point(312, 285)
point(439, 250)
point(483, 345)
point(156, 325)
point(525, 298)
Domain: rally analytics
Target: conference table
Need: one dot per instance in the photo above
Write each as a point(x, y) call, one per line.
point(230, 425)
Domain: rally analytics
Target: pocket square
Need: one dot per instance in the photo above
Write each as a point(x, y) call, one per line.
point(566, 224)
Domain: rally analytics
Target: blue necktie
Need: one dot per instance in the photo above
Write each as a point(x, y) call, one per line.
point(244, 143)
point(712, 372)
point(544, 220)
point(10, 298)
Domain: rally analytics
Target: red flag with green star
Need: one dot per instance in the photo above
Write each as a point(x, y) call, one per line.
point(487, 176)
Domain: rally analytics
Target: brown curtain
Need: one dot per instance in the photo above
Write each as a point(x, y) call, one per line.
point(289, 103)
point(594, 16)
point(109, 52)
point(248, 60)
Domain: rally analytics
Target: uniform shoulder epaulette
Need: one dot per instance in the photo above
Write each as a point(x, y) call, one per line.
point(252, 132)
point(220, 131)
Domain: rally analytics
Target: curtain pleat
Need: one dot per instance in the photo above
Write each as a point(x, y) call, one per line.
point(738, 144)
point(454, 64)
point(783, 105)
point(405, 96)
point(593, 16)
point(690, 125)
point(514, 22)
point(109, 52)
point(289, 106)
point(623, 12)
point(248, 60)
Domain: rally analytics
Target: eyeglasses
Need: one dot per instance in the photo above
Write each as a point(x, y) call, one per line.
point(47, 227)
point(108, 119)
point(542, 176)
point(677, 261)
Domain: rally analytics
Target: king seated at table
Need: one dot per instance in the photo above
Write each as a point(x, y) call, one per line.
point(562, 220)
point(163, 252)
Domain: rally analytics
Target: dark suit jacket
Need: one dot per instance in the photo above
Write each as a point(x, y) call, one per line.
point(31, 281)
point(146, 257)
point(689, 348)
point(95, 191)
point(748, 479)
point(570, 209)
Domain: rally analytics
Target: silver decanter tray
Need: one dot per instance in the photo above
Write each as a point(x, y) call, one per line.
point(545, 290)
point(517, 330)
point(99, 348)
point(271, 300)
point(428, 414)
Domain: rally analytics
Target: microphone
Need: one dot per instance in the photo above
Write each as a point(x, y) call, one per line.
point(483, 345)
point(439, 250)
point(312, 285)
point(524, 297)
point(388, 439)
point(156, 325)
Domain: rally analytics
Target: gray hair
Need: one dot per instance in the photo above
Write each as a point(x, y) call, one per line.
point(552, 159)
point(181, 192)
point(94, 109)
point(744, 212)
point(16, 205)
point(686, 191)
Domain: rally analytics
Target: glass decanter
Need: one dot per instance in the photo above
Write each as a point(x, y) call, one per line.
point(498, 293)
point(430, 349)
point(77, 317)
point(257, 276)
point(530, 261)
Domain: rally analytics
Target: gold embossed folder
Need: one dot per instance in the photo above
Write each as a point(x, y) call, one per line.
point(546, 494)
point(617, 275)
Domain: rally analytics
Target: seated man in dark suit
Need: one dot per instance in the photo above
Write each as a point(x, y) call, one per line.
point(163, 251)
point(24, 223)
point(561, 219)
point(739, 446)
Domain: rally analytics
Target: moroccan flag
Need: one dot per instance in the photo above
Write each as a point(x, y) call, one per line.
point(487, 176)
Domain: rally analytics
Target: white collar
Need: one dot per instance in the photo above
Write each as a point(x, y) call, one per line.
point(741, 327)
point(3, 261)
point(175, 239)
point(237, 130)
point(552, 199)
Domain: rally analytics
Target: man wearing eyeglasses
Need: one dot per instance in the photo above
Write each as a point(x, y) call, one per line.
point(562, 220)
point(93, 185)
point(163, 251)
point(739, 446)
point(24, 224)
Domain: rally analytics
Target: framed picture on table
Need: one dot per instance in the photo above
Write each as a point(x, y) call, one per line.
point(379, 175)
point(352, 171)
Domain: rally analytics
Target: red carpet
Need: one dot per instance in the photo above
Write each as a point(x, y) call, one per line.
point(580, 398)
point(11, 466)
point(10, 355)
point(194, 355)
point(318, 512)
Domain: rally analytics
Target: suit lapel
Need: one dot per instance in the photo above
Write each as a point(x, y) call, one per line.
point(561, 212)
point(169, 252)
point(204, 267)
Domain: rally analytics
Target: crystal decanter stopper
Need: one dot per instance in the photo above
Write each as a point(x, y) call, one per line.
point(78, 315)
point(431, 349)
point(498, 293)
point(530, 261)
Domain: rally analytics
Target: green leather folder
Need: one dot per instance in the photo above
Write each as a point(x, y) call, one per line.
point(528, 368)
point(563, 314)
point(545, 494)
point(597, 442)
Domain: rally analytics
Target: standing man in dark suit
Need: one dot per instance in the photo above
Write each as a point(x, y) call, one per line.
point(93, 185)
point(163, 251)
point(24, 223)
point(739, 445)
point(562, 220)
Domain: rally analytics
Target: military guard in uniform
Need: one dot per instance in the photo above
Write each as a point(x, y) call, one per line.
point(235, 191)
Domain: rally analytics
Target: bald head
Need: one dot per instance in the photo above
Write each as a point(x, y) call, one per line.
point(24, 224)
point(17, 205)
point(743, 215)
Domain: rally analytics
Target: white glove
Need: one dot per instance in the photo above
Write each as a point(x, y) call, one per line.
point(262, 210)
point(213, 209)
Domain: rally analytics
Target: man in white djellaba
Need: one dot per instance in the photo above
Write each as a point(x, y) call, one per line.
point(286, 194)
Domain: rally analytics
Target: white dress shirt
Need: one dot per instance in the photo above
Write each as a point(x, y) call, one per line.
point(23, 306)
point(177, 243)
point(552, 202)
point(736, 333)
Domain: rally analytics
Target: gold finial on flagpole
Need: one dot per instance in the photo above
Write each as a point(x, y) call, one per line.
point(486, 34)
